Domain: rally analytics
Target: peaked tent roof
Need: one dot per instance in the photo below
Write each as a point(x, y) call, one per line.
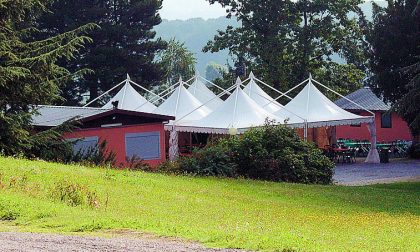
point(364, 97)
point(129, 99)
point(238, 111)
point(183, 105)
point(319, 111)
point(261, 97)
point(204, 94)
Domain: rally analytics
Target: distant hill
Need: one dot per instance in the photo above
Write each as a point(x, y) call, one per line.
point(196, 32)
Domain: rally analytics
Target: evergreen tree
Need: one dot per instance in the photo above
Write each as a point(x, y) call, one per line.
point(29, 74)
point(395, 44)
point(395, 57)
point(283, 41)
point(124, 44)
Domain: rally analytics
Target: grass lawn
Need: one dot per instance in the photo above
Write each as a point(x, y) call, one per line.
point(217, 212)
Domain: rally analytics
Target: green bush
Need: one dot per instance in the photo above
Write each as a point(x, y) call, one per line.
point(214, 160)
point(272, 152)
point(414, 151)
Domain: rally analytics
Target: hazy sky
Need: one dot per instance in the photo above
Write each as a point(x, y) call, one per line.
point(185, 9)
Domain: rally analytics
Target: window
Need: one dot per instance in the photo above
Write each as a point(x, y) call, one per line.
point(386, 120)
point(83, 145)
point(145, 146)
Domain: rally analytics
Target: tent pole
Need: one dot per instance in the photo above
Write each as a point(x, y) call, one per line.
point(99, 97)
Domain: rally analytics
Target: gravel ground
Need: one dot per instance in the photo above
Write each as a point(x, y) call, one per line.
point(364, 174)
point(48, 242)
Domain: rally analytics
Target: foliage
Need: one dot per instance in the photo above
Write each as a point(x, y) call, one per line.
point(414, 151)
point(395, 54)
point(29, 70)
point(214, 71)
point(277, 153)
point(214, 160)
point(272, 152)
point(177, 61)
point(98, 155)
point(221, 213)
point(125, 43)
point(74, 194)
point(283, 41)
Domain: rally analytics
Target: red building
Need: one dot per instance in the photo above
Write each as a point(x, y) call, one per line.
point(390, 126)
point(127, 133)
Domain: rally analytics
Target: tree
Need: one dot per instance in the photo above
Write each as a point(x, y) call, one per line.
point(125, 43)
point(177, 61)
point(214, 71)
point(29, 73)
point(394, 40)
point(283, 41)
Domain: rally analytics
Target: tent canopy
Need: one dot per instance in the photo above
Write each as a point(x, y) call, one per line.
point(129, 99)
point(319, 111)
point(238, 111)
point(254, 91)
point(204, 94)
point(183, 105)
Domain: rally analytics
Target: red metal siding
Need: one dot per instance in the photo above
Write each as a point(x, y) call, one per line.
point(399, 130)
point(115, 138)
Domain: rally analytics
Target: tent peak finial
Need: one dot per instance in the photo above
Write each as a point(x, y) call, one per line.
point(180, 80)
point(310, 76)
point(128, 77)
point(251, 75)
point(238, 82)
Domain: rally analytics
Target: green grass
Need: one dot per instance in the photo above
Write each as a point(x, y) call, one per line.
point(217, 212)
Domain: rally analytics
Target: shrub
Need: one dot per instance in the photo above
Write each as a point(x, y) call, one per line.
point(214, 160)
point(272, 152)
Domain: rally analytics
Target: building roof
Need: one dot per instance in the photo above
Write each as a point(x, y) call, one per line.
point(365, 98)
point(51, 116)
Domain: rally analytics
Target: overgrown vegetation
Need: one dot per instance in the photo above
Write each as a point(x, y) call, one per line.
point(273, 152)
point(218, 212)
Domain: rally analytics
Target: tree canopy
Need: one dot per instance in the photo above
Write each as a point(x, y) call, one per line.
point(125, 43)
point(29, 71)
point(283, 41)
point(395, 57)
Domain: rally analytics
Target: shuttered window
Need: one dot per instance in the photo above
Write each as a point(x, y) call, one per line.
point(145, 146)
point(386, 120)
point(83, 145)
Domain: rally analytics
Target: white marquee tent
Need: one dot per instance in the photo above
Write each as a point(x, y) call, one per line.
point(260, 96)
point(129, 99)
point(183, 106)
point(238, 112)
point(204, 94)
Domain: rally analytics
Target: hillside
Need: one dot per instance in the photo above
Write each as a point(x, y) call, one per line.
point(197, 32)
point(37, 196)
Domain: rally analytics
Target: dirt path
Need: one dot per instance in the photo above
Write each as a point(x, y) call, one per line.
point(47, 242)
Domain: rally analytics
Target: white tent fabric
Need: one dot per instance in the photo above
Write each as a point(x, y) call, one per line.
point(373, 155)
point(129, 99)
point(239, 111)
point(260, 96)
point(311, 105)
point(183, 105)
point(204, 94)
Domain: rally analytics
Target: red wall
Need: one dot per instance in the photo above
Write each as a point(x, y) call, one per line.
point(399, 130)
point(115, 138)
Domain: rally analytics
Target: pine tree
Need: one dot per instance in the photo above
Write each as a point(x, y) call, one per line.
point(29, 74)
point(124, 44)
